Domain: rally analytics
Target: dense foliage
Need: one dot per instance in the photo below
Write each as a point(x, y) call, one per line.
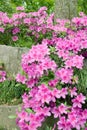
point(82, 6)
point(10, 90)
point(51, 70)
point(9, 6)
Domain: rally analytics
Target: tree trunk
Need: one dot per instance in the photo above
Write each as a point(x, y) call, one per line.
point(65, 9)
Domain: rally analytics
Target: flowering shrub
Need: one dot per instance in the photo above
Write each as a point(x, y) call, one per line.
point(50, 72)
point(25, 29)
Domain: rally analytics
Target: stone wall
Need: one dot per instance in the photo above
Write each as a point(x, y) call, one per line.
point(5, 122)
point(65, 9)
point(11, 57)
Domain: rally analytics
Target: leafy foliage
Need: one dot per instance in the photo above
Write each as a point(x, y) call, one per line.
point(11, 92)
point(9, 6)
point(82, 6)
point(82, 80)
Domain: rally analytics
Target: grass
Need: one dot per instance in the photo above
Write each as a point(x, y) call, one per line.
point(82, 80)
point(11, 92)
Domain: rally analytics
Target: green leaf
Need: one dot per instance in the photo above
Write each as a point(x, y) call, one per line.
point(12, 116)
point(29, 110)
point(52, 49)
point(48, 128)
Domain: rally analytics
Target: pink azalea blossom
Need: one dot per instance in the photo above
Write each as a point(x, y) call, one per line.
point(65, 75)
point(15, 30)
point(14, 38)
point(21, 78)
point(20, 8)
point(2, 30)
point(77, 102)
point(63, 124)
point(73, 91)
point(2, 76)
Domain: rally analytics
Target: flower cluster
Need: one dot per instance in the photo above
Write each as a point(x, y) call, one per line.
point(49, 70)
point(69, 116)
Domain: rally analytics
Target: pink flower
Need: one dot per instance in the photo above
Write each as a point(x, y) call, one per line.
point(65, 75)
point(15, 30)
point(27, 20)
point(63, 92)
point(35, 121)
point(81, 98)
point(1, 29)
point(21, 78)
point(56, 93)
point(23, 116)
point(77, 102)
point(81, 14)
point(43, 111)
point(44, 95)
point(73, 91)
point(31, 83)
point(15, 38)
point(56, 112)
point(63, 124)
point(53, 83)
point(75, 61)
point(2, 76)
point(62, 109)
point(2, 73)
point(20, 8)
point(60, 93)
point(72, 117)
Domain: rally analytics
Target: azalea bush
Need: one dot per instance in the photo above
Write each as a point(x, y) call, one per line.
point(24, 29)
point(27, 29)
point(9, 6)
point(51, 70)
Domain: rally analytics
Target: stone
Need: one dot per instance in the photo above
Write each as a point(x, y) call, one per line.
point(5, 112)
point(11, 57)
point(65, 9)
